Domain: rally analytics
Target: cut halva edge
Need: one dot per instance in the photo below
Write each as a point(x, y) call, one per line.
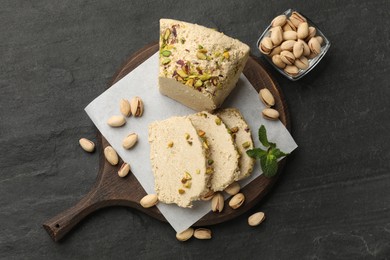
point(232, 118)
point(179, 161)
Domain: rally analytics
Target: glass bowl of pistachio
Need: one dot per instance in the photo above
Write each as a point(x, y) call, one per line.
point(293, 44)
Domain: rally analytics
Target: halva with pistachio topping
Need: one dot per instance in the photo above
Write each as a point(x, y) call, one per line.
point(199, 66)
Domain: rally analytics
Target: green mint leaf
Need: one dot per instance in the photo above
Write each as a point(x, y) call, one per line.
point(277, 153)
point(263, 136)
point(256, 153)
point(269, 164)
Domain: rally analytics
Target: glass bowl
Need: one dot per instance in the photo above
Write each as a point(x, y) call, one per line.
point(312, 61)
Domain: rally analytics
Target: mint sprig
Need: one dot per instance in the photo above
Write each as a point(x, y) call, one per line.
point(268, 158)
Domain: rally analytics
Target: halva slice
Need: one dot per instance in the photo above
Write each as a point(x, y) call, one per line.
point(241, 133)
point(223, 158)
point(178, 160)
point(199, 66)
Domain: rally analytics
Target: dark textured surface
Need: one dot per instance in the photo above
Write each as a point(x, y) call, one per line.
point(332, 201)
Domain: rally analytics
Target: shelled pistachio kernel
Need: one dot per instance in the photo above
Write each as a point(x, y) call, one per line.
point(87, 145)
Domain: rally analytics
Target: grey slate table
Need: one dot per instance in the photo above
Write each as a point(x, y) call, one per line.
point(332, 200)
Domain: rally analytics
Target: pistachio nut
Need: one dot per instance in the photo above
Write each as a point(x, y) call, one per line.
point(233, 188)
point(306, 49)
point(279, 20)
point(289, 35)
point(286, 27)
point(266, 97)
point(302, 63)
point(270, 114)
point(202, 233)
point(298, 49)
point(287, 57)
point(124, 170)
point(320, 39)
point(288, 45)
point(87, 145)
point(266, 45)
point(296, 18)
point(137, 106)
point(237, 201)
point(116, 121)
point(291, 70)
point(312, 33)
point(276, 35)
point(217, 202)
point(291, 25)
point(256, 219)
point(124, 106)
point(111, 155)
point(312, 55)
point(303, 30)
point(130, 140)
point(207, 196)
point(185, 235)
point(275, 51)
point(278, 61)
point(315, 46)
point(149, 201)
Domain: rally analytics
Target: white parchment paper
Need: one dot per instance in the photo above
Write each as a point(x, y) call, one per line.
point(143, 82)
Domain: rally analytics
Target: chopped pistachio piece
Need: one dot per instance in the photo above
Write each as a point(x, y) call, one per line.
point(170, 144)
point(246, 145)
point(210, 162)
point(166, 61)
point(201, 55)
point(209, 170)
point(166, 53)
point(218, 121)
point(201, 133)
point(181, 191)
point(187, 136)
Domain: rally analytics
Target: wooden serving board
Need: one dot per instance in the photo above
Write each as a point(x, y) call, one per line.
point(110, 190)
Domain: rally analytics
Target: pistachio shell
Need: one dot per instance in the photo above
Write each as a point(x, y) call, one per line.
point(256, 219)
point(311, 34)
point(207, 196)
point(287, 57)
point(111, 155)
point(266, 45)
point(289, 35)
point(185, 235)
point(278, 61)
point(291, 25)
point(217, 202)
point(130, 140)
point(315, 46)
point(275, 51)
point(286, 27)
point(298, 49)
point(303, 30)
point(320, 39)
point(116, 121)
point(279, 20)
point(296, 18)
point(137, 106)
point(202, 233)
point(124, 106)
point(149, 201)
point(312, 55)
point(233, 188)
point(291, 70)
point(87, 145)
point(288, 45)
point(276, 35)
point(306, 49)
point(266, 97)
point(237, 201)
point(124, 170)
point(302, 63)
point(270, 114)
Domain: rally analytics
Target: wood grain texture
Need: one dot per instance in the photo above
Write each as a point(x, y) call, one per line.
point(110, 190)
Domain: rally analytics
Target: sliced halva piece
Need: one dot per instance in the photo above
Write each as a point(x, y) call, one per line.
point(178, 160)
point(223, 158)
point(242, 137)
point(199, 66)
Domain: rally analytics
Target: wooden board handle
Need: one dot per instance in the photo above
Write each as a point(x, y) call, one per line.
point(60, 225)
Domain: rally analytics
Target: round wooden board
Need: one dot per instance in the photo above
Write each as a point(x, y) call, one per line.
point(110, 190)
